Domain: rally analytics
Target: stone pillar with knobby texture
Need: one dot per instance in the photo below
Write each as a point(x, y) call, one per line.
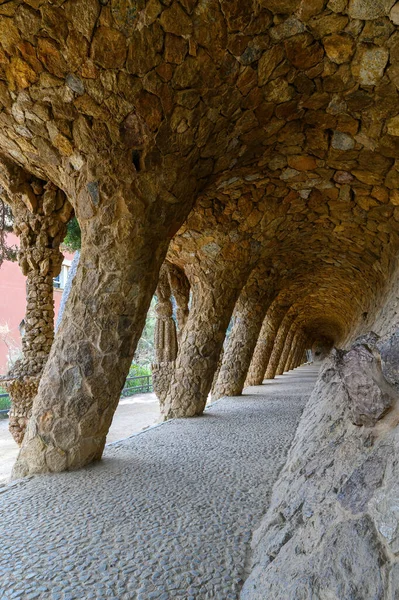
point(40, 212)
point(265, 343)
point(214, 297)
point(216, 374)
point(288, 345)
point(124, 243)
point(301, 355)
point(180, 288)
point(249, 314)
point(279, 346)
point(293, 350)
point(165, 337)
point(296, 347)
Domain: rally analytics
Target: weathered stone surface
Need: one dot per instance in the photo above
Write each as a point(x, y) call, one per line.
point(339, 47)
point(265, 344)
point(248, 317)
point(331, 529)
point(369, 64)
point(369, 9)
point(393, 126)
point(394, 14)
point(369, 393)
point(389, 350)
point(180, 288)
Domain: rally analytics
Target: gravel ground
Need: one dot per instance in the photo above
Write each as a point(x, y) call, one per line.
point(167, 514)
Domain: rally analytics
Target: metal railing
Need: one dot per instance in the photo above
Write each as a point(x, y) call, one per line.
point(4, 412)
point(133, 385)
point(137, 385)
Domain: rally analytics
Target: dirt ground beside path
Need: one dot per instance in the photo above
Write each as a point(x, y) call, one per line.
point(132, 415)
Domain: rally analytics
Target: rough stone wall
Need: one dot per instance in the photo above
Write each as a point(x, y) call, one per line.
point(331, 531)
point(386, 315)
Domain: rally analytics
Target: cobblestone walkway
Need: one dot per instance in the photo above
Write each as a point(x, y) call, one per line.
point(167, 514)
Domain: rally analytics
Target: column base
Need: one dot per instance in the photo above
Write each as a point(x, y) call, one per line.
point(22, 391)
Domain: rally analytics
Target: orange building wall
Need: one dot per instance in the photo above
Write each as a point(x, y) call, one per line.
point(13, 303)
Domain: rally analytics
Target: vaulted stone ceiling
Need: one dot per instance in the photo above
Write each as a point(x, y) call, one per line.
point(286, 110)
point(262, 136)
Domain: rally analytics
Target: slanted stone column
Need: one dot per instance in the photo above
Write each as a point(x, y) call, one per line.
point(41, 212)
point(288, 346)
point(279, 346)
point(165, 337)
point(180, 288)
point(299, 356)
point(264, 345)
point(299, 352)
point(124, 243)
point(213, 300)
point(216, 374)
point(249, 315)
point(297, 340)
point(165, 328)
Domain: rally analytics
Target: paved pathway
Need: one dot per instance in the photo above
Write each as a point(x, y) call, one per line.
point(167, 514)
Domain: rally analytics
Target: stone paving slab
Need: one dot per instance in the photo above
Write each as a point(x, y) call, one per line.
point(168, 513)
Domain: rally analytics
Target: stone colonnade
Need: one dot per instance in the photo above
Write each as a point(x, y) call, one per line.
point(40, 214)
point(216, 137)
point(255, 341)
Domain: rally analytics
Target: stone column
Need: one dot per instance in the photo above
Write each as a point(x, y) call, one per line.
point(165, 328)
point(124, 243)
point(264, 345)
point(213, 300)
point(296, 342)
point(288, 347)
point(216, 374)
point(180, 288)
point(249, 315)
point(279, 346)
point(165, 337)
point(298, 360)
point(40, 212)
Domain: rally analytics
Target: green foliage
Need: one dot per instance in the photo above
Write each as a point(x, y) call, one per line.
point(139, 371)
point(4, 402)
point(73, 238)
point(144, 356)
